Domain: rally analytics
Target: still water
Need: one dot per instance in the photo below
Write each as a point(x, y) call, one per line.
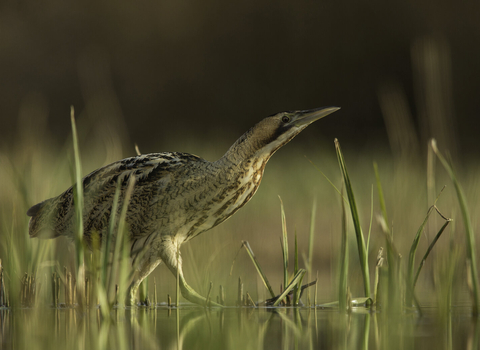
point(237, 328)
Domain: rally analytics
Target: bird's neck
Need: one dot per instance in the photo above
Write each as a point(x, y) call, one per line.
point(247, 149)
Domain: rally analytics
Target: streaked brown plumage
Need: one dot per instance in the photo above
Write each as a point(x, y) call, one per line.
point(176, 195)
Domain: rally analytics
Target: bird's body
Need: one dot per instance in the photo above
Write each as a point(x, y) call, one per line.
point(176, 196)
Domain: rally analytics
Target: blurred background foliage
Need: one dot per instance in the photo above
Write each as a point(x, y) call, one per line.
point(163, 70)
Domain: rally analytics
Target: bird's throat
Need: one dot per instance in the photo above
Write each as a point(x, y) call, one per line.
point(240, 189)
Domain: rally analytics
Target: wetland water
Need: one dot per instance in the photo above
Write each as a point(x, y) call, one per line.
point(236, 328)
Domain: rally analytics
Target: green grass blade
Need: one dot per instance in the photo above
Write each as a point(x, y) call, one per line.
point(311, 238)
point(381, 198)
point(79, 191)
point(108, 241)
point(119, 239)
point(125, 270)
point(296, 290)
point(471, 251)
point(371, 220)
point(295, 257)
point(308, 260)
point(362, 250)
point(342, 285)
point(78, 195)
point(259, 269)
point(284, 244)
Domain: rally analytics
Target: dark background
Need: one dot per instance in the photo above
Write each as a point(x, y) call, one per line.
point(211, 69)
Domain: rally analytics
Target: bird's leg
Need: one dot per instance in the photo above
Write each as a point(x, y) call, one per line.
point(146, 267)
point(170, 255)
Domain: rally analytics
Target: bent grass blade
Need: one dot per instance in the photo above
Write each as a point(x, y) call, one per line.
point(263, 277)
point(471, 251)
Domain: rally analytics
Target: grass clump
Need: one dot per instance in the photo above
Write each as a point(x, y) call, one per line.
point(292, 288)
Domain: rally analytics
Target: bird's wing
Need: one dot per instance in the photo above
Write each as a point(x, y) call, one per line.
point(150, 171)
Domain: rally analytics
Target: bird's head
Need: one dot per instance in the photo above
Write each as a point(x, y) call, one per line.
point(273, 132)
point(277, 130)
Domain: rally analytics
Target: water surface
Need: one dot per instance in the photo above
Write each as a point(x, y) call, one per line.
point(192, 327)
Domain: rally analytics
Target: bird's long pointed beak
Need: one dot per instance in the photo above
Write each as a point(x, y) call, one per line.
point(311, 115)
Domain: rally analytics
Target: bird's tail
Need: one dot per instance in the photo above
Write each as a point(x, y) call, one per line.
point(41, 220)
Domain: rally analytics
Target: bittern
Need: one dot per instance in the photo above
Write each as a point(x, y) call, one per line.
point(176, 196)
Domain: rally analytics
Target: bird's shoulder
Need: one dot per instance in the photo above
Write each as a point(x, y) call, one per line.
point(146, 168)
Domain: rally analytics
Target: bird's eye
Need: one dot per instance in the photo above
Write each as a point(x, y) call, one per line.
point(285, 119)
